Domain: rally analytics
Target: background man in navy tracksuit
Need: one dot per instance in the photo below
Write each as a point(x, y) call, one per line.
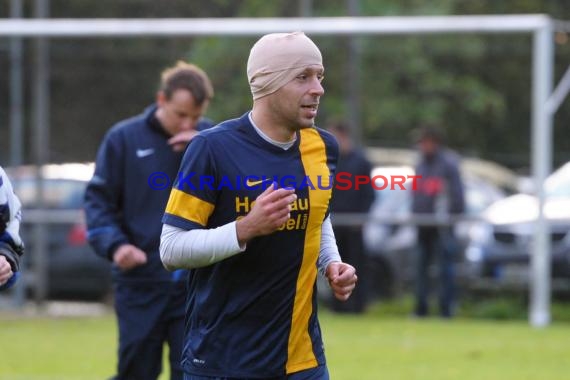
point(349, 239)
point(440, 190)
point(124, 203)
point(11, 246)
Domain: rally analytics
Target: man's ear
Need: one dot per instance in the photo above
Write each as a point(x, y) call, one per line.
point(160, 98)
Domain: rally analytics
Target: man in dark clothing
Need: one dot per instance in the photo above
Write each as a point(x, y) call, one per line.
point(124, 202)
point(349, 238)
point(439, 192)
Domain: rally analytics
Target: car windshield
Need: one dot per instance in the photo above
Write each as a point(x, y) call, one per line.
point(558, 183)
point(58, 193)
point(392, 198)
point(63, 184)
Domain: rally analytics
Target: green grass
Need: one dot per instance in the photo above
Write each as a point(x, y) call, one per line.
point(367, 348)
point(382, 344)
point(57, 348)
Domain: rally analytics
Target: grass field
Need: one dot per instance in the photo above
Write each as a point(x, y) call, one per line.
point(374, 346)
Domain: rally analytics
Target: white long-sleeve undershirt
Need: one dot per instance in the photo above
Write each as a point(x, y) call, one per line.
point(197, 248)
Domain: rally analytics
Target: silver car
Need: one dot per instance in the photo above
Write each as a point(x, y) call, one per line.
point(391, 247)
point(500, 246)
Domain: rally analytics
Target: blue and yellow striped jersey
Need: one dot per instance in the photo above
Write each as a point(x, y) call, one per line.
point(254, 315)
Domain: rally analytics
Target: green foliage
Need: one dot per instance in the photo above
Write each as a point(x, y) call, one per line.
point(458, 82)
point(476, 86)
point(225, 61)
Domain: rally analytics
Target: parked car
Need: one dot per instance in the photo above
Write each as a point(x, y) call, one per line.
point(500, 246)
point(73, 270)
point(391, 247)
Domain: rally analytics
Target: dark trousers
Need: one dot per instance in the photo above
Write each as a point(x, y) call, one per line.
point(317, 373)
point(435, 244)
point(149, 315)
point(351, 248)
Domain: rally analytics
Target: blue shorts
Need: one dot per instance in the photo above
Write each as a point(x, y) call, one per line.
point(317, 373)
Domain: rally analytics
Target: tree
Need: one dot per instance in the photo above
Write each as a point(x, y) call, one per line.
point(477, 87)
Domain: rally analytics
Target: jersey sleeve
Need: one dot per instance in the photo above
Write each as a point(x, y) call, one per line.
point(193, 195)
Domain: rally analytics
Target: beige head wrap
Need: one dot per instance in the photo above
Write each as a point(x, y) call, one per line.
point(277, 58)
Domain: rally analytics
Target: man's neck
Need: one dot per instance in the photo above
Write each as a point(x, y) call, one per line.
point(269, 127)
point(283, 145)
point(159, 116)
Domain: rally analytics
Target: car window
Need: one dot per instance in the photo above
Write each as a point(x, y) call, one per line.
point(58, 193)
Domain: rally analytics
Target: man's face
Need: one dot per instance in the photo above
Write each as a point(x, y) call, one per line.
point(428, 146)
point(295, 104)
point(179, 113)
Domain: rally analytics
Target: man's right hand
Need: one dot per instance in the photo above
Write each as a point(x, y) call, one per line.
point(180, 141)
point(270, 210)
point(127, 256)
point(5, 270)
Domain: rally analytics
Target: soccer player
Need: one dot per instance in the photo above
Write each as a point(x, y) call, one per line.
point(250, 216)
point(124, 204)
point(11, 246)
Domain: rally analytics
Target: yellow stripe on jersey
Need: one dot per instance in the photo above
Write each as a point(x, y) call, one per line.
point(314, 158)
point(189, 207)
